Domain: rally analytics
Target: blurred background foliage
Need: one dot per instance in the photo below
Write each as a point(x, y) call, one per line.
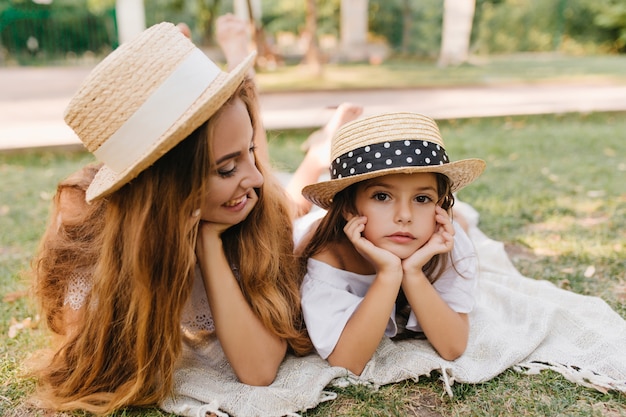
point(33, 31)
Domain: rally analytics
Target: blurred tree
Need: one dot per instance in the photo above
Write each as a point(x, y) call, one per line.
point(312, 56)
point(353, 31)
point(407, 24)
point(458, 16)
point(412, 27)
point(386, 20)
point(611, 15)
point(207, 11)
point(32, 32)
point(265, 56)
point(573, 26)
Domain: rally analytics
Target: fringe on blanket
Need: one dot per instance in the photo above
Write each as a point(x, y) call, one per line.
point(584, 377)
point(447, 376)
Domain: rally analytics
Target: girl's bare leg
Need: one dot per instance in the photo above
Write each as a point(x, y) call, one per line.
point(317, 158)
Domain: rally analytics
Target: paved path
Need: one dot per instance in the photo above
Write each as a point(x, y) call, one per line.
point(32, 101)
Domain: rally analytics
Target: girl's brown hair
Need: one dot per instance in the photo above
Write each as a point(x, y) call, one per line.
point(330, 229)
point(138, 248)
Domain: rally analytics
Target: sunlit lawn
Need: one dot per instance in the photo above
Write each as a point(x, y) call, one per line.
point(553, 191)
point(404, 73)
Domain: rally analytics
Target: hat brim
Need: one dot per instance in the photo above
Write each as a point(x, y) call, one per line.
point(460, 173)
point(219, 91)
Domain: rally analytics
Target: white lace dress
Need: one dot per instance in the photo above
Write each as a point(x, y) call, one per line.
point(196, 322)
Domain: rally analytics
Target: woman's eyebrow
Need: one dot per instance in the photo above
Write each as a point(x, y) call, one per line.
point(227, 157)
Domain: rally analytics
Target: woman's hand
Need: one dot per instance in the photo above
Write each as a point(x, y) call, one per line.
point(209, 236)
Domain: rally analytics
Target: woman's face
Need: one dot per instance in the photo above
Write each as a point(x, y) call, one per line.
point(234, 175)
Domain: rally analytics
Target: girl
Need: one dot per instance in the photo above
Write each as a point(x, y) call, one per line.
point(178, 237)
point(387, 245)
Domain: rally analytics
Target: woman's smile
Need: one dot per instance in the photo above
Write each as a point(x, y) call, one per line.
point(237, 204)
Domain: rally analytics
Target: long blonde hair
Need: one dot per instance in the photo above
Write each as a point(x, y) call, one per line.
point(139, 248)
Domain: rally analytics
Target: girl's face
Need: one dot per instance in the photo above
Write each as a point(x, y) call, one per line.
point(400, 211)
point(234, 175)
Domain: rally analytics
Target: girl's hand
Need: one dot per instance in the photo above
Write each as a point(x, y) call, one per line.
point(442, 241)
point(379, 258)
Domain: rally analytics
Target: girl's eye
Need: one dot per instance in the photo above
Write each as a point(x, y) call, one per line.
point(423, 199)
point(380, 197)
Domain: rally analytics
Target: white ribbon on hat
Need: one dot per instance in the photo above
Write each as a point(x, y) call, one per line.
point(139, 134)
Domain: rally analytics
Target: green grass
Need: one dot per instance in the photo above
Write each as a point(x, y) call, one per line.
point(553, 191)
point(404, 73)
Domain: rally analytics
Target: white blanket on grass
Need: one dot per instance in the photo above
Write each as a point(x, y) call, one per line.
point(518, 322)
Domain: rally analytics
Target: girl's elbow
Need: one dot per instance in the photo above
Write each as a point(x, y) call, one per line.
point(453, 351)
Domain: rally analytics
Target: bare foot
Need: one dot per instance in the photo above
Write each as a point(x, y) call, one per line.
point(318, 143)
point(232, 34)
point(346, 112)
point(184, 29)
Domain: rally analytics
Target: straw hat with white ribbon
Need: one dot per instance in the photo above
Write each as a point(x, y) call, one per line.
point(143, 99)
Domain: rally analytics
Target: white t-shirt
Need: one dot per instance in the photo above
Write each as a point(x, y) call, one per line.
point(331, 295)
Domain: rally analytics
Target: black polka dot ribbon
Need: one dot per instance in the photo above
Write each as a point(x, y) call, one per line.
point(386, 155)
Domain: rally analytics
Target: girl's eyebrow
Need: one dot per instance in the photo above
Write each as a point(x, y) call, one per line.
point(372, 184)
point(427, 188)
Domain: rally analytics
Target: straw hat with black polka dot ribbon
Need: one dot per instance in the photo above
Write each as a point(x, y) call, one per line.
point(389, 143)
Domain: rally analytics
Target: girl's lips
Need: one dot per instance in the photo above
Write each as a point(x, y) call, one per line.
point(401, 237)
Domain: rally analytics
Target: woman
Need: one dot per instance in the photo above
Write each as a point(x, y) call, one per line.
point(179, 215)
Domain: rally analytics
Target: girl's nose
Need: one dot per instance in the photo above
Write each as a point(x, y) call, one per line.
point(403, 213)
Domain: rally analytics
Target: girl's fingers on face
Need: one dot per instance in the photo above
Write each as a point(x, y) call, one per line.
point(444, 221)
point(356, 220)
point(350, 226)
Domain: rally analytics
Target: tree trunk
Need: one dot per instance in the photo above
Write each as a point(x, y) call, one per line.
point(458, 16)
point(353, 30)
point(312, 56)
point(131, 19)
point(407, 25)
point(266, 58)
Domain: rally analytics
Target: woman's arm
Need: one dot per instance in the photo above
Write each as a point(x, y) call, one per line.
point(253, 351)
